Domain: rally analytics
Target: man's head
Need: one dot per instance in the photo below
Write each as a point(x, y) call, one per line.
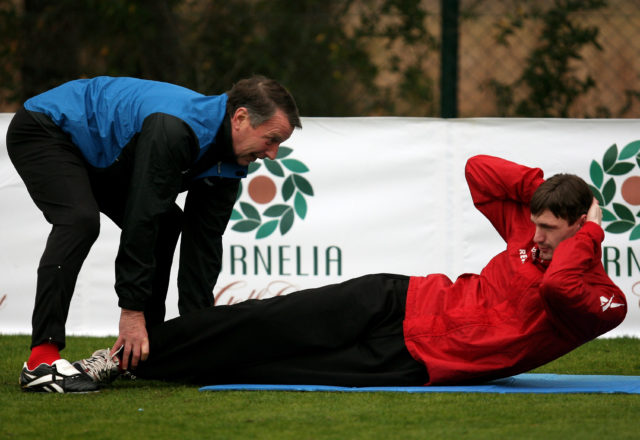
point(558, 209)
point(263, 115)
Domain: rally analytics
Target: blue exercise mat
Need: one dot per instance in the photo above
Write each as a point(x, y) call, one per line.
point(522, 383)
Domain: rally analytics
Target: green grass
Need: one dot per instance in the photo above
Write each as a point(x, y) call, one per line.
point(146, 409)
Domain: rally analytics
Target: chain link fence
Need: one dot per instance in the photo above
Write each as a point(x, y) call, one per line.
point(516, 58)
point(530, 58)
point(611, 66)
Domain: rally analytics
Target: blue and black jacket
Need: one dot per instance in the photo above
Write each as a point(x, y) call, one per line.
point(162, 139)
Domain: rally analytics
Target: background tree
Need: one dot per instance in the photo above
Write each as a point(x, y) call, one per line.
point(550, 79)
point(319, 48)
point(338, 57)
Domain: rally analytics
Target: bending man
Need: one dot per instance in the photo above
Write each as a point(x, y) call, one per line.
point(127, 147)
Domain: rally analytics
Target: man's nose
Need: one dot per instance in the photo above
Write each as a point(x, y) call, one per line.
point(272, 152)
point(538, 237)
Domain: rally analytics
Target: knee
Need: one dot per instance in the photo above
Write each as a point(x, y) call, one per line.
point(86, 223)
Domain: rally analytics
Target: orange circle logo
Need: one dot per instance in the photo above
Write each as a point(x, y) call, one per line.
point(630, 190)
point(262, 189)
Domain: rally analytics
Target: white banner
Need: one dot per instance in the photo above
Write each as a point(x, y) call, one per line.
point(353, 196)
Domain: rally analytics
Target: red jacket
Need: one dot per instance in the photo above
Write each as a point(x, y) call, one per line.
point(515, 315)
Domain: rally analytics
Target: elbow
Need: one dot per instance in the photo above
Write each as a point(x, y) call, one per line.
point(472, 164)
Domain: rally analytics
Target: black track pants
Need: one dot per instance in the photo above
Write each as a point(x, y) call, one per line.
point(347, 334)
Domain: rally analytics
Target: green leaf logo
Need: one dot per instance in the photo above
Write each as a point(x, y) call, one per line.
point(612, 174)
point(262, 189)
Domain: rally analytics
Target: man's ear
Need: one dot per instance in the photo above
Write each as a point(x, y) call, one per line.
point(582, 219)
point(239, 116)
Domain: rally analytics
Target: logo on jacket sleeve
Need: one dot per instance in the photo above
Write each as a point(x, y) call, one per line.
point(523, 255)
point(534, 255)
point(607, 303)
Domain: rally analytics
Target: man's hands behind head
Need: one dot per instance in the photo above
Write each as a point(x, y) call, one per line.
point(595, 213)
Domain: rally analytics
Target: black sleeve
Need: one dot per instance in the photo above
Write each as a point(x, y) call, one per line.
point(207, 211)
point(165, 148)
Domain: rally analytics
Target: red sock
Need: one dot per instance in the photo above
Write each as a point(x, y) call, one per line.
point(46, 353)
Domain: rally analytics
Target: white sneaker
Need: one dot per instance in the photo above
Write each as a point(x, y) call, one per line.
point(101, 367)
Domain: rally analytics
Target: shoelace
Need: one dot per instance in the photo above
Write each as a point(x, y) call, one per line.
point(101, 367)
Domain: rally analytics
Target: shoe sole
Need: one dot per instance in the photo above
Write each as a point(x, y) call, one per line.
point(42, 391)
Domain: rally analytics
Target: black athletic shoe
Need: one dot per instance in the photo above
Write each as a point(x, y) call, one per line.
point(59, 377)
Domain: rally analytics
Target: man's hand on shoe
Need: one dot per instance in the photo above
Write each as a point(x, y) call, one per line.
point(133, 337)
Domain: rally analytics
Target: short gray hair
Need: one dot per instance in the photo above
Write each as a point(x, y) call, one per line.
point(261, 97)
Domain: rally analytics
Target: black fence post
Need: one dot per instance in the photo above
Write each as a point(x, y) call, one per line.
point(449, 59)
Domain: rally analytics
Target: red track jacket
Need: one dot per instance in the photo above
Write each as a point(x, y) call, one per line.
point(515, 315)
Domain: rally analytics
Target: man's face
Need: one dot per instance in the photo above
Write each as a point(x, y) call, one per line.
point(551, 230)
point(251, 143)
